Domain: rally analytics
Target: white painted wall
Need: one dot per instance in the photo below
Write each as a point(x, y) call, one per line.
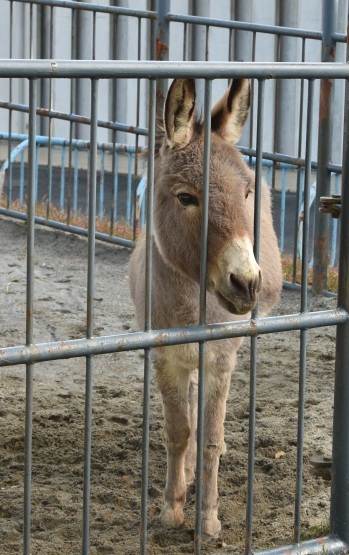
point(263, 11)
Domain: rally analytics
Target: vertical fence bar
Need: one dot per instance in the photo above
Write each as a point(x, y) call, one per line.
point(253, 360)
point(76, 180)
point(162, 48)
point(323, 186)
point(37, 174)
point(73, 48)
point(251, 127)
point(9, 196)
point(21, 179)
point(304, 302)
point(113, 194)
point(334, 226)
point(90, 316)
point(276, 112)
point(29, 316)
point(129, 187)
point(134, 202)
point(115, 184)
point(185, 42)
point(202, 319)
point(31, 34)
point(207, 43)
point(49, 161)
point(101, 186)
point(61, 194)
point(339, 516)
point(283, 208)
point(147, 322)
point(299, 171)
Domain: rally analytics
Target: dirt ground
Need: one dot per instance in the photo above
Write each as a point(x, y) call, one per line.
point(58, 417)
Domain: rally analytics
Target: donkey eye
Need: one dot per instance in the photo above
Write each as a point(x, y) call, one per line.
point(248, 191)
point(187, 200)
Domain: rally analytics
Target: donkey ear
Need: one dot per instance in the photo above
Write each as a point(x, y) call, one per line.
point(179, 113)
point(230, 113)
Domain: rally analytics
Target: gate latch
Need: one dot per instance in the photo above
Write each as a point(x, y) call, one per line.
point(331, 205)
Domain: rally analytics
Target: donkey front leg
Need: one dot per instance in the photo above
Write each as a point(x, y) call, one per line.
point(217, 388)
point(190, 457)
point(177, 432)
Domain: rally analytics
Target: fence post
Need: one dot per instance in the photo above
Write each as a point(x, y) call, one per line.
point(162, 49)
point(323, 188)
point(339, 518)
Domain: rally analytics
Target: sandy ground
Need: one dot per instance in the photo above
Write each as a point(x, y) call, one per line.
point(60, 296)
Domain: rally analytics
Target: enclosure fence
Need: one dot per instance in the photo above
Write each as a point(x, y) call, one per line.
point(196, 37)
point(90, 346)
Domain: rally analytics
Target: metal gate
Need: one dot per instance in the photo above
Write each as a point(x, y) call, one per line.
point(30, 354)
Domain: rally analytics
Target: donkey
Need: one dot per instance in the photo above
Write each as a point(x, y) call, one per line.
point(234, 279)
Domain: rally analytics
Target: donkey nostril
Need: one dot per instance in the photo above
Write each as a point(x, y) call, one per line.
point(247, 288)
point(239, 286)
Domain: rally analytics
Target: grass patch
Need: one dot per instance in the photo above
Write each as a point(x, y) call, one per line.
point(313, 532)
point(120, 228)
point(287, 272)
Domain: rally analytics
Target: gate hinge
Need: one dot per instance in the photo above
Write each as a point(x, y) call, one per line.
point(331, 205)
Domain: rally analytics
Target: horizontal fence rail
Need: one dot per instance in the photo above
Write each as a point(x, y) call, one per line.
point(106, 69)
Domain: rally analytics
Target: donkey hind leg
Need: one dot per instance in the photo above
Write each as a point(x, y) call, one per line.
point(190, 457)
point(174, 388)
point(214, 447)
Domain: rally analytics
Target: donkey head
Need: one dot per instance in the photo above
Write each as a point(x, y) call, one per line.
point(233, 274)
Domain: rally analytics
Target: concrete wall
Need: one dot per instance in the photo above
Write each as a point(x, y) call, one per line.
point(119, 101)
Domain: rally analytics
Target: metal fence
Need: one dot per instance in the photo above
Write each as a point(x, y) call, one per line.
point(150, 76)
point(196, 33)
point(91, 346)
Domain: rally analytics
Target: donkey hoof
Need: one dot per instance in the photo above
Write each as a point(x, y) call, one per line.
point(210, 528)
point(172, 518)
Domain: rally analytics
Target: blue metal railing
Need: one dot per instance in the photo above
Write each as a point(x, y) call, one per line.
point(77, 146)
point(128, 215)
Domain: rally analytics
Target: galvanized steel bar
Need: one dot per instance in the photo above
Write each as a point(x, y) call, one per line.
point(202, 316)
point(62, 142)
point(323, 185)
point(9, 146)
point(303, 333)
point(253, 353)
point(99, 8)
point(285, 159)
point(339, 515)
point(104, 69)
point(148, 315)
point(327, 544)
point(299, 153)
point(161, 338)
point(244, 26)
point(90, 317)
point(134, 192)
point(29, 317)
point(162, 48)
point(53, 114)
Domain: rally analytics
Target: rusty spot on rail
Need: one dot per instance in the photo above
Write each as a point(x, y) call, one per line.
point(253, 327)
point(160, 49)
point(160, 339)
point(326, 88)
